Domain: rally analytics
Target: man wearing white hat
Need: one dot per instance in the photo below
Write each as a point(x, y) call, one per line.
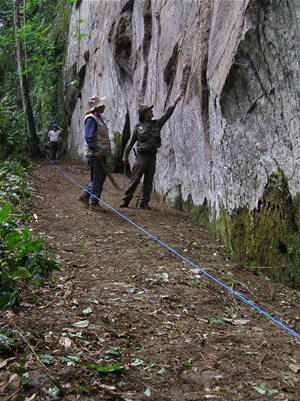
point(98, 149)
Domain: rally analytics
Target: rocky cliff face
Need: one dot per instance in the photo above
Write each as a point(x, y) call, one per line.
point(235, 137)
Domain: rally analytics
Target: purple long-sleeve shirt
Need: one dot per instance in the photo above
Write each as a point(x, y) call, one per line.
point(90, 127)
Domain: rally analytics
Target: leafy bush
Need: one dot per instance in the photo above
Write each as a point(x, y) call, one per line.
point(23, 260)
point(293, 268)
point(11, 138)
point(12, 179)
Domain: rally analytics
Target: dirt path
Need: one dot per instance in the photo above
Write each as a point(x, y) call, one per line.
point(157, 328)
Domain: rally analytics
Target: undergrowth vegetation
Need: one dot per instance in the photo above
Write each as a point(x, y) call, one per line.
point(23, 259)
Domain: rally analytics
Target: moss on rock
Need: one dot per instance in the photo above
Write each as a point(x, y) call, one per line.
point(264, 237)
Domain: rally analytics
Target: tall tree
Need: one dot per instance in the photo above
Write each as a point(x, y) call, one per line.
point(31, 131)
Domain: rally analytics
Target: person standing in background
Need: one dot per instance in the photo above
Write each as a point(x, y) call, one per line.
point(53, 137)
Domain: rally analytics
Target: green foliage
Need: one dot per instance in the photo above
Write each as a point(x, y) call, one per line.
point(12, 140)
point(230, 281)
point(12, 179)
point(293, 268)
point(23, 259)
point(105, 367)
point(108, 369)
point(7, 342)
point(42, 33)
point(115, 161)
point(77, 36)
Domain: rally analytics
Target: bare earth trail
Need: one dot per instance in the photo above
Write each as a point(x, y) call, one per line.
point(176, 334)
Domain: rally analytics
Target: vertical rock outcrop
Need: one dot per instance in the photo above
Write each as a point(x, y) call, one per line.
point(237, 129)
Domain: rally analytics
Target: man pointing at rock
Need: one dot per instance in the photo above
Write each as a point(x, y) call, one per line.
point(147, 136)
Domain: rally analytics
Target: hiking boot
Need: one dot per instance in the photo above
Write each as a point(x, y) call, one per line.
point(96, 208)
point(124, 204)
point(84, 200)
point(145, 207)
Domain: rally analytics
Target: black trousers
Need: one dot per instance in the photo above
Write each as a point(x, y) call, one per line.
point(145, 164)
point(53, 150)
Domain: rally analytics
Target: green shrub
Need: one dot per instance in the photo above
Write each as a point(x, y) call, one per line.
point(293, 268)
point(23, 259)
point(13, 186)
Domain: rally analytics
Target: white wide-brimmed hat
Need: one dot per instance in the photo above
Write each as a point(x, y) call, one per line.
point(96, 101)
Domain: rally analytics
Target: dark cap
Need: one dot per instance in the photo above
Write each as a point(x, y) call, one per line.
point(144, 108)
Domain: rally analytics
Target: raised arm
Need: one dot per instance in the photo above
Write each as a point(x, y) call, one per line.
point(164, 118)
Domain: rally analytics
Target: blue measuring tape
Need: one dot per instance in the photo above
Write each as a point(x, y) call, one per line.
point(182, 257)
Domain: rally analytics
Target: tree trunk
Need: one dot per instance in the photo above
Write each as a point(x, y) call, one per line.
point(31, 132)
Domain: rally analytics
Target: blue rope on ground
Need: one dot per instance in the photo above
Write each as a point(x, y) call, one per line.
point(182, 257)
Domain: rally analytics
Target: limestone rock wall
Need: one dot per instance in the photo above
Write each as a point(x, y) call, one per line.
point(237, 63)
point(256, 108)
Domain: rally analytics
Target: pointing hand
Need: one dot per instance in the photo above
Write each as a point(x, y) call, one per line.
point(178, 98)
